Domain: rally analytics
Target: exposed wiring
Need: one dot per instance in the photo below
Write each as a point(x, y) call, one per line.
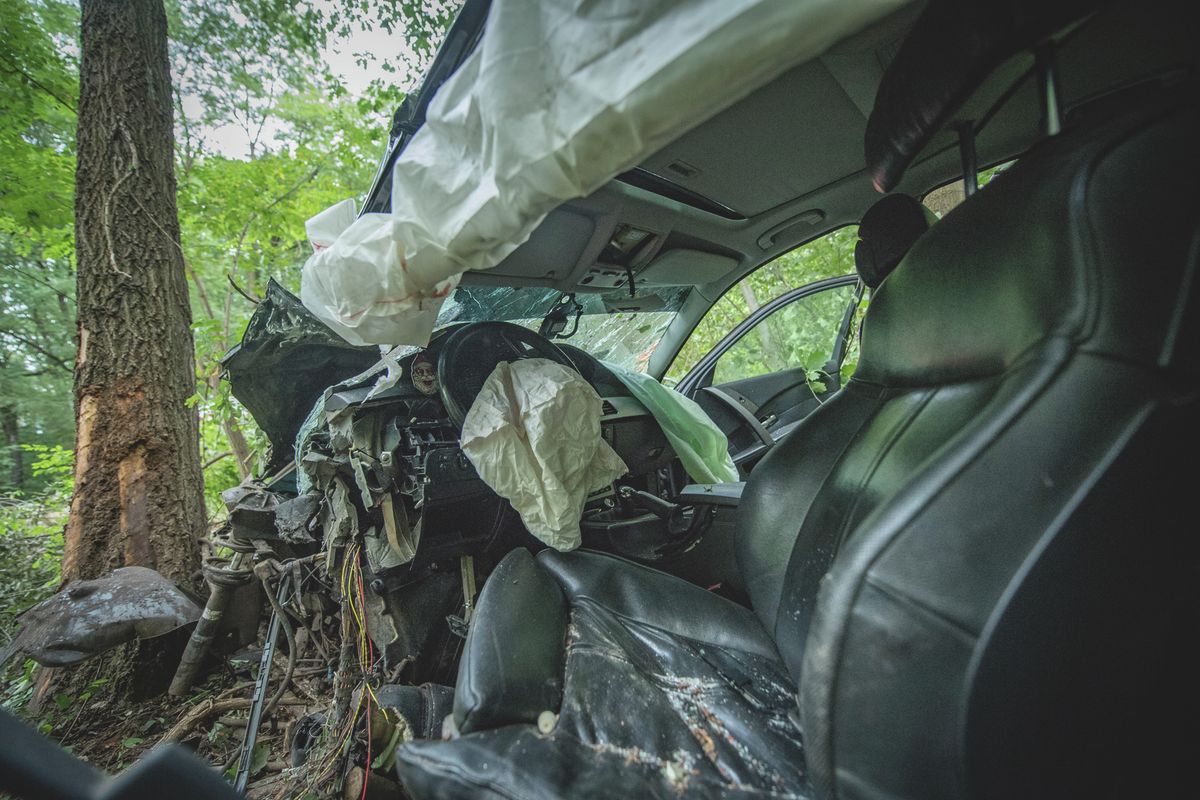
point(362, 596)
point(354, 628)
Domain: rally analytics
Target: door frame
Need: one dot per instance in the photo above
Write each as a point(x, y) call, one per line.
point(700, 375)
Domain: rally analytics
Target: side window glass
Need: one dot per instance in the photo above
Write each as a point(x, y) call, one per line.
point(824, 257)
point(800, 335)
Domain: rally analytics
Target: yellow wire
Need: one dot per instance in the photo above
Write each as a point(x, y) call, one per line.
point(348, 731)
point(351, 572)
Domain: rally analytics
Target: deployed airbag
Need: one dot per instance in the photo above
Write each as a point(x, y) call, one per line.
point(700, 445)
point(533, 435)
point(557, 99)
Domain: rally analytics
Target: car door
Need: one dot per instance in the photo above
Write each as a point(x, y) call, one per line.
point(778, 365)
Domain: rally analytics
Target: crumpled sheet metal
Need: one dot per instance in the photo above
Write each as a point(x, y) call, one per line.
point(556, 100)
point(533, 435)
point(251, 511)
point(317, 420)
point(88, 617)
point(285, 360)
point(294, 518)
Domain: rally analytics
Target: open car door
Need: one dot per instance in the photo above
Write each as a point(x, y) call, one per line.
point(777, 365)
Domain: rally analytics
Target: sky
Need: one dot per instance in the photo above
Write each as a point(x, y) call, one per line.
point(231, 141)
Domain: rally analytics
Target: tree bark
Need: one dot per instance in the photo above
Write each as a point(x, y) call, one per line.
point(771, 354)
point(10, 431)
point(138, 486)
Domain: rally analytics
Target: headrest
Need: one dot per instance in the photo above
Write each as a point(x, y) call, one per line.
point(887, 231)
point(954, 45)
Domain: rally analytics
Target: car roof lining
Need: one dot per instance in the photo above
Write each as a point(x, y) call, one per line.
point(563, 252)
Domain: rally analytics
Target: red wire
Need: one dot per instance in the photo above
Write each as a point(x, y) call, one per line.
point(362, 599)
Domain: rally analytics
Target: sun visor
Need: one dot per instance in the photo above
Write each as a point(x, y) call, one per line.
point(556, 100)
point(683, 267)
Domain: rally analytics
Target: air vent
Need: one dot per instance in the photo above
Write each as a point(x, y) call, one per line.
point(607, 409)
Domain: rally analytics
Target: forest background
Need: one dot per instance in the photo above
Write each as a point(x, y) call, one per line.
point(281, 108)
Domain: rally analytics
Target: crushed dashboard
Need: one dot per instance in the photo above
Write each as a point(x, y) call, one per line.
point(367, 449)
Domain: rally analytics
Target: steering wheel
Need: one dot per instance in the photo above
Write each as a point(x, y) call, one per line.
point(472, 352)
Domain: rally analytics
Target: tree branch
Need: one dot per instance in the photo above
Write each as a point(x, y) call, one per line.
point(215, 459)
point(201, 292)
point(255, 215)
point(243, 292)
point(35, 82)
point(49, 356)
point(42, 281)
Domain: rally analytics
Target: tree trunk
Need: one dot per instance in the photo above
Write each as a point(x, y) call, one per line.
point(771, 355)
point(138, 487)
point(238, 445)
point(233, 433)
point(10, 431)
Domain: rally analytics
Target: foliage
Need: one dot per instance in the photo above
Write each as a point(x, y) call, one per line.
point(256, 69)
point(31, 528)
point(266, 136)
point(786, 343)
point(38, 93)
point(799, 335)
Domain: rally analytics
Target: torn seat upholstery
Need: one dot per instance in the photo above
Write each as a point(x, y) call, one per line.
point(668, 690)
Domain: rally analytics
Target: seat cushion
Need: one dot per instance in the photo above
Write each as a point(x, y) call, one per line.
point(669, 690)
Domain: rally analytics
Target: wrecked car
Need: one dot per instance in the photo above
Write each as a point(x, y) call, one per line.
point(958, 571)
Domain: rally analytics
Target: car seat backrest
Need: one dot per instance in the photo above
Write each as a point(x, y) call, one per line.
point(1010, 523)
point(1049, 262)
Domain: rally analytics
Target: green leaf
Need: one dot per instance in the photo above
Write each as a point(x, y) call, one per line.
point(131, 742)
point(258, 760)
point(63, 701)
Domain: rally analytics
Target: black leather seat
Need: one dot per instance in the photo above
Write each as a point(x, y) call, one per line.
point(937, 559)
point(667, 688)
point(886, 233)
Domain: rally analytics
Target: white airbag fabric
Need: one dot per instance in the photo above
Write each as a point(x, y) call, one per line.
point(558, 98)
point(533, 435)
point(351, 283)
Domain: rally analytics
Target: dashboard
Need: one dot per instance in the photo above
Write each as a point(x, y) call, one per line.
point(625, 423)
point(403, 443)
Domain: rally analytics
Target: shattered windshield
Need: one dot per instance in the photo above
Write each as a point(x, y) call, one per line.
point(613, 326)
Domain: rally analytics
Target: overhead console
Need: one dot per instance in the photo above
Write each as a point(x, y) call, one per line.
point(574, 252)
